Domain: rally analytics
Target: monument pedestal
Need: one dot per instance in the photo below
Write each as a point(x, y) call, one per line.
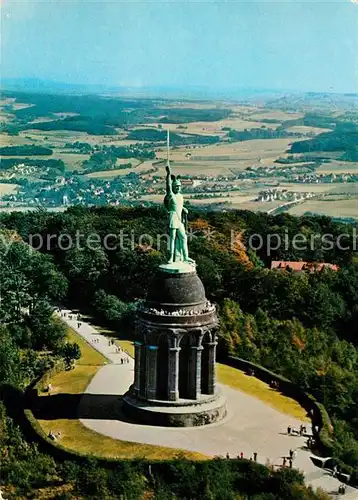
point(182, 413)
point(175, 351)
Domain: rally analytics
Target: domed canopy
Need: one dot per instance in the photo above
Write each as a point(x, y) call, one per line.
point(182, 289)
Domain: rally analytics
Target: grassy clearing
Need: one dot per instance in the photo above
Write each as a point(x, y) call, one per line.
point(74, 381)
point(75, 436)
point(254, 387)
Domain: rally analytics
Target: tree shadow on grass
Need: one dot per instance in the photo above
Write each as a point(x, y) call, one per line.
point(77, 406)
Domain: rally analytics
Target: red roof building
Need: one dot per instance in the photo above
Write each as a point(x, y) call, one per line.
point(302, 266)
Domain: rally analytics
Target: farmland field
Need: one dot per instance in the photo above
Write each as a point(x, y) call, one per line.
point(221, 158)
point(215, 128)
point(338, 167)
point(308, 188)
point(7, 189)
point(237, 186)
point(345, 188)
point(143, 167)
point(72, 161)
point(339, 208)
point(275, 115)
point(304, 129)
point(234, 199)
point(13, 140)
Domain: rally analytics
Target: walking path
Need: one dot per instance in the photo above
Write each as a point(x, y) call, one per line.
point(96, 340)
point(251, 426)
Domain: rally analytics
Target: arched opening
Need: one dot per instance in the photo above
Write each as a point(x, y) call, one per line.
point(162, 368)
point(184, 366)
point(205, 364)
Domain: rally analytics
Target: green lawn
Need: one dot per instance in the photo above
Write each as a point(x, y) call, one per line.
point(254, 387)
point(90, 356)
point(75, 436)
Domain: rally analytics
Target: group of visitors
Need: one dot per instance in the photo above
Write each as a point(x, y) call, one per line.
point(285, 460)
point(54, 435)
point(71, 317)
point(292, 454)
point(181, 312)
point(342, 489)
point(293, 431)
point(119, 349)
point(274, 384)
point(241, 456)
point(310, 442)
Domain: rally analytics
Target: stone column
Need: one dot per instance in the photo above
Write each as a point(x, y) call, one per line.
point(211, 346)
point(137, 362)
point(173, 373)
point(195, 372)
point(151, 372)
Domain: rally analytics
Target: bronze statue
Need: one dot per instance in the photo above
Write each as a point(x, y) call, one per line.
point(174, 203)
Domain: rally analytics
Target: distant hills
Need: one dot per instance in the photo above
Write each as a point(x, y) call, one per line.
point(279, 99)
point(187, 92)
point(322, 100)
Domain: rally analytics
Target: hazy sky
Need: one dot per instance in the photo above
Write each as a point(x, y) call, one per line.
point(225, 44)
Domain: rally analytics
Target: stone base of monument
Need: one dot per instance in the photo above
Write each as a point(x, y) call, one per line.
point(175, 353)
point(181, 413)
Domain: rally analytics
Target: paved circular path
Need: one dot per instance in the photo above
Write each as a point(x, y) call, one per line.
point(251, 426)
